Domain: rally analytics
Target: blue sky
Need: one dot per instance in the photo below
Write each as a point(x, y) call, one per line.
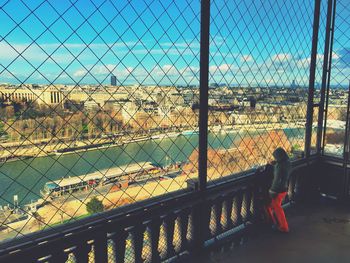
point(157, 42)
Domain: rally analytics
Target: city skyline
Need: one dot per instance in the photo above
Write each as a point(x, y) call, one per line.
point(156, 50)
point(104, 104)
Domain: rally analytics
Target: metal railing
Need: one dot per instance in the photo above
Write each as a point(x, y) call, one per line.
point(199, 91)
point(165, 229)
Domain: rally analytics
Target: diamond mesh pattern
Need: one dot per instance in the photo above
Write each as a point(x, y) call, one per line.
point(318, 72)
point(339, 82)
point(62, 124)
point(72, 145)
point(259, 71)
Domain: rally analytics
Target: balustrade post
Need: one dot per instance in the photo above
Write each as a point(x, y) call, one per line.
point(169, 226)
point(59, 257)
point(197, 240)
point(227, 211)
point(137, 242)
point(183, 226)
point(154, 237)
point(81, 252)
point(255, 205)
point(238, 200)
point(247, 196)
point(200, 227)
point(119, 240)
point(100, 247)
point(217, 215)
point(291, 188)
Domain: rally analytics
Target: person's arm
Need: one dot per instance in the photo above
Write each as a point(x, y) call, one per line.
point(272, 193)
point(273, 190)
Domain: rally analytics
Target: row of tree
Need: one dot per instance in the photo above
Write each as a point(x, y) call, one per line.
point(73, 126)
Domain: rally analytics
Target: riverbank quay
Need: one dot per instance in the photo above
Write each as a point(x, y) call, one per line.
point(13, 151)
point(71, 207)
point(26, 178)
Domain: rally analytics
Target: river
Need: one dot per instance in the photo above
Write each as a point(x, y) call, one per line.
point(26, 178)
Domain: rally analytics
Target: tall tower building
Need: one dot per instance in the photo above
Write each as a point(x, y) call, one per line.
point(113, 80)
point(293, 85)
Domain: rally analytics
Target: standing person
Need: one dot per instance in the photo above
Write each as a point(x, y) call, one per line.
point(278, 189)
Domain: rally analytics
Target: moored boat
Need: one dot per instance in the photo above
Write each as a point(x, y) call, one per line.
point(120, 176)
point(190, 132)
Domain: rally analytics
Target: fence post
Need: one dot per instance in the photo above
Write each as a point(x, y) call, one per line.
point(327, 58)
point(203, 94)
point(346, 149)
point(329, 77)
point(199, 224)
point(310, 106)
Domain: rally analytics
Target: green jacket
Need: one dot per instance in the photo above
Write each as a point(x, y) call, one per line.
point(281, 171)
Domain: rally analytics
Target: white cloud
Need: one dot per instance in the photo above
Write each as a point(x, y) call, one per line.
point(223, 68)
point(7, 75)
point(92, 45)
point(36, 52)
point(189, 71)
point(103, 70)
point(246, 58)
point(187, 44)
point(217, 41)
point(305, 62)
point(281, 57)
point(335, 55)
point(168, 51)
point(33, 53)
point(10, 52)
point(169, 70)
point(79, 73)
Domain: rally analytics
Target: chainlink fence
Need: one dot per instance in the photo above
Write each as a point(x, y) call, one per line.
point(336, 114)
point(99, 101)
point(259, 73)
point(98, 104)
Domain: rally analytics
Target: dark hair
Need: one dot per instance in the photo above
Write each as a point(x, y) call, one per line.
point(280, 154)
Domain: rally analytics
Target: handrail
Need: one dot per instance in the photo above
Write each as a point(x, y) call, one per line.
point(155, 213)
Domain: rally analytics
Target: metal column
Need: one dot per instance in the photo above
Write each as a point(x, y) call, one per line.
point(200, 225)
point(347, 149)
point(327, 58)
point(310, 106)
point(203, 95)
point(329, 77)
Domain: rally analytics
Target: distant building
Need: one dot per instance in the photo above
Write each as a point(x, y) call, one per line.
point(44, 95)
point(113, 80)
point(293, 85)
point(100, 96)
point(129, 110)
point(116, 105)
point(91, 105)
point(170, 100)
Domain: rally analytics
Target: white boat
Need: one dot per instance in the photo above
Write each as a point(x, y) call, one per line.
point(190, 132)
point(122, 174)
point(166, 135)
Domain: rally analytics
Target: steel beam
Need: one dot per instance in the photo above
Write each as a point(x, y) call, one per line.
point(203, 94)
point(329, 77)
point(308, 128)
point(325, 74)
